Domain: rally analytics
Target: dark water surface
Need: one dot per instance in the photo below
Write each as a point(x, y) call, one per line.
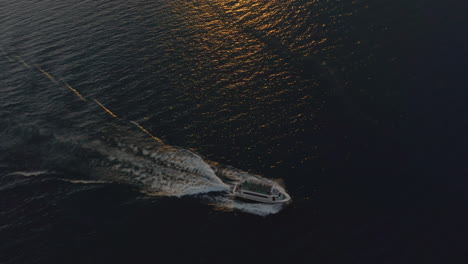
point(120, 122)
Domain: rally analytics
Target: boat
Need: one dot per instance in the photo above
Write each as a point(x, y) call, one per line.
point(260, 192)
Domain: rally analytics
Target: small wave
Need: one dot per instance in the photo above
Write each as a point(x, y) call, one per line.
point(29, 173)
point(224, 203)
point(84, 181)
point(257, 208)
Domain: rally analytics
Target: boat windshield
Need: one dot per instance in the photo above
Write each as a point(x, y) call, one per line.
point(275, 191)
point(256, 187)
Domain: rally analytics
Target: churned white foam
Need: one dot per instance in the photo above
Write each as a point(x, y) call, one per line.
point(161, 170)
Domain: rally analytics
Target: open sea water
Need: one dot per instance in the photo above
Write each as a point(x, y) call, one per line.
point(124, 123)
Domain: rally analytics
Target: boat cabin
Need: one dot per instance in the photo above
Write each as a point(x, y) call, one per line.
point(259, 192)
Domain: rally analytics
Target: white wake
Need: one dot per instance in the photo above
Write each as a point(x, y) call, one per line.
point(164, 170)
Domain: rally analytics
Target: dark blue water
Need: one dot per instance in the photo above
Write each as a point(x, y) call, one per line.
point(123, 123)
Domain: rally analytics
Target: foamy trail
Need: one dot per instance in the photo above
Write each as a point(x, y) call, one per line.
point(159, 170)
point(163, 170)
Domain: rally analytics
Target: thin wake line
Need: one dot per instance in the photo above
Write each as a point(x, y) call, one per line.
point(146, 131)
point(77, 93)
point(106, 109)
point(46, 74)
